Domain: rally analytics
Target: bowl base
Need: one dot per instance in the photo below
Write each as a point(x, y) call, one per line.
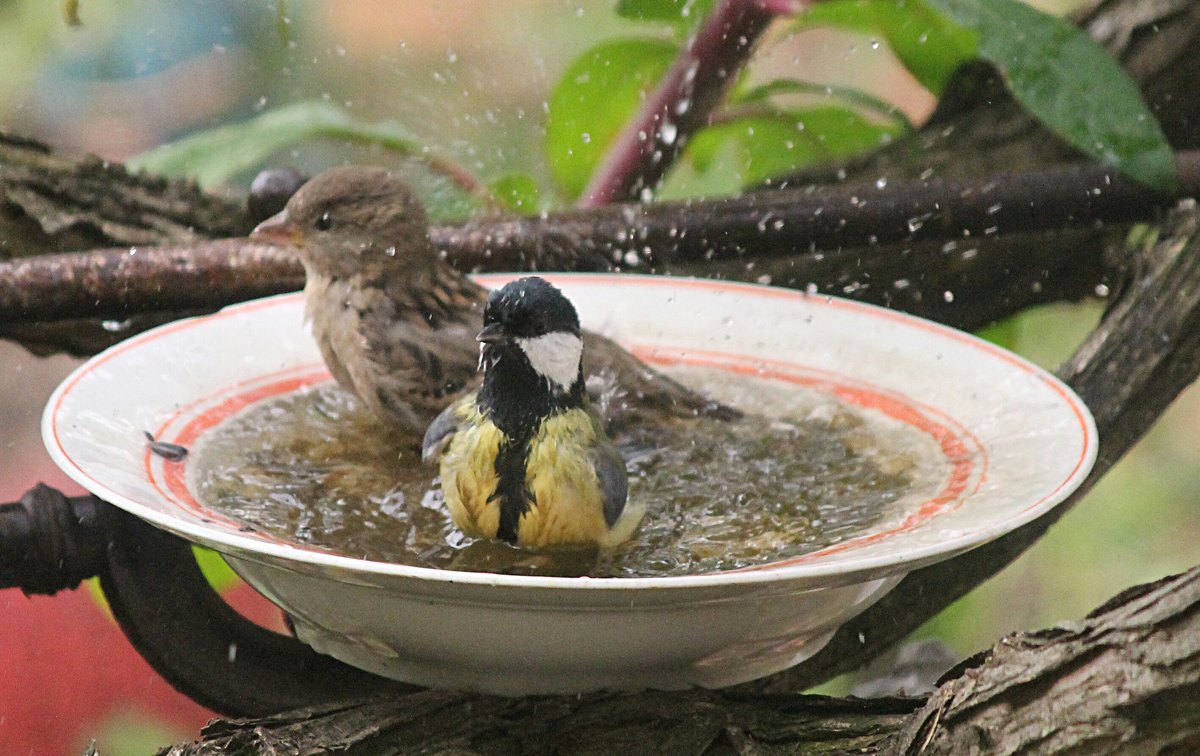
point(511, 683)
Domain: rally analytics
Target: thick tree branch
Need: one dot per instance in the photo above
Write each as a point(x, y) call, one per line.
point(117, 283)
point(666, 237)
point(1125, 679)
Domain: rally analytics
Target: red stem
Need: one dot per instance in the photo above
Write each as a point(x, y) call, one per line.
point(683, 100)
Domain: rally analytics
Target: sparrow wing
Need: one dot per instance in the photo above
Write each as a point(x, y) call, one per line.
point(636, 393)
point(421, 341)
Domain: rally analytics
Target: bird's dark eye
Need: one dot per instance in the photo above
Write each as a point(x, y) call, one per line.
point(323, 222)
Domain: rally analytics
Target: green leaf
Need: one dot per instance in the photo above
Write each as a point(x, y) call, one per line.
point(780, 142)
point(1002, 333)
point(1070, 84)
point(219, 574)
point(216, 155)
point(682, 14)
point(847, 95)
point(518, 192)
point(928, 45)
point(596, 96)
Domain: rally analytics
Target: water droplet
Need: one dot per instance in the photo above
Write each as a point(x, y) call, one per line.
point(881, 182)
point(116, 326)
point(948, 296)
point(390, 251)
point(915, 224)
point(1102, 290)
point(874, 44)
point(586, 137)
point(667, 132)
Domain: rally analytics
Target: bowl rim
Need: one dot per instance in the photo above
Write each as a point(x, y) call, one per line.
point(845, 569)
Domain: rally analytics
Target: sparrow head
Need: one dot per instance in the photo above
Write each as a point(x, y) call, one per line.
point(352, 220)
point(531, 323)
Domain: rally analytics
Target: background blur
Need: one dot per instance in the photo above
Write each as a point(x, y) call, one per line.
point(468, 79)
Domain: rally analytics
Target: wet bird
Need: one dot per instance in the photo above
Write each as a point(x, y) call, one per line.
point(395, 323)
point(524, 459)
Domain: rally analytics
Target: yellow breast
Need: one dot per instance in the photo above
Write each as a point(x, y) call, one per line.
point(567, 506)
point(468, 470)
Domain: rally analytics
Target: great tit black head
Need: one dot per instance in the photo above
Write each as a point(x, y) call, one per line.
point(531, 322)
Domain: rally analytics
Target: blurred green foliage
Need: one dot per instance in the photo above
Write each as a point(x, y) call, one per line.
point(763, 131)
point(594, 98)
point(214, 156)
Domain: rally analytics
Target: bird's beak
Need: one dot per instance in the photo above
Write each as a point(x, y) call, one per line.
point(278, 229)
point(492, 333)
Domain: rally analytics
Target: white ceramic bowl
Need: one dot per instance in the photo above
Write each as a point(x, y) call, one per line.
point(1016, 442)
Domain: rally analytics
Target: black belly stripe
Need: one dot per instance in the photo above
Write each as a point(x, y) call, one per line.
point(514, 497)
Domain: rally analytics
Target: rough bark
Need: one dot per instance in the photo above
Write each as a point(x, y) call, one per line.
point(54, 202)
point(1124, 679)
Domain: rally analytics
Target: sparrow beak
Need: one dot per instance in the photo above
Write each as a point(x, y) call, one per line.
point(492, 333)
point(278, 229)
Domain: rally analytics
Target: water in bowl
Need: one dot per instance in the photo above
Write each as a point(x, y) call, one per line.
point(800, 472)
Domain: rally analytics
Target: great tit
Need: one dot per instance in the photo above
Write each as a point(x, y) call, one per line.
point(395, 322)
point(524, 459)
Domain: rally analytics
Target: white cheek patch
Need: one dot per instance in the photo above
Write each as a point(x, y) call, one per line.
point(555, 356)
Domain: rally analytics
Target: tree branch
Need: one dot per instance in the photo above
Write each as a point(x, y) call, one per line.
point(669, 236)
point(1125, 679)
